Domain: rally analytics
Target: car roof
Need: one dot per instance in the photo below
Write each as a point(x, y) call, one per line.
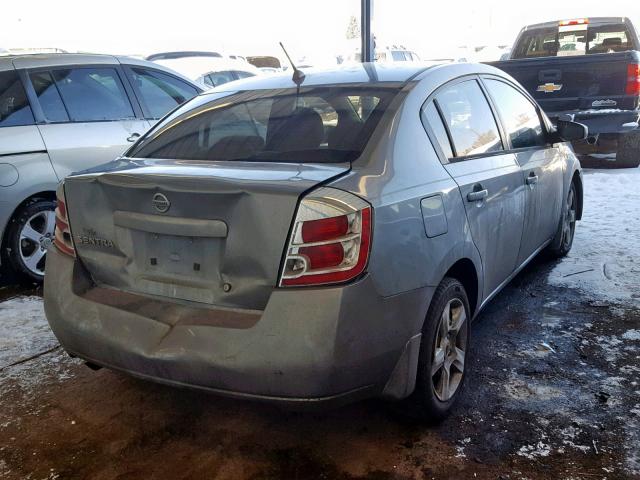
point(195, 67)
point(353, 73)
point(9, 62)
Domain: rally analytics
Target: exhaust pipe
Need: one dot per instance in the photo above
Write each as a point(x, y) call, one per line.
point(592, 139)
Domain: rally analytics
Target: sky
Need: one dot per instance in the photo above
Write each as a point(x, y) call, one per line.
point(315, 29)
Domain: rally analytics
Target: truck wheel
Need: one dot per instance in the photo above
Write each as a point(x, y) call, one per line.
point(563, 240)
point(628, 155)
point(443, 354)
point(30, 232)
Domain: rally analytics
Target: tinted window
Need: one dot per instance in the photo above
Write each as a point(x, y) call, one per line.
point(319, 125)
point(93, 94)
point(242, 74)
point(608, 38)
point(49, 97)
point(518, 114)
point(569, 40)
point(158, 92)
point(469, 119)
point(431, 117)
point(14, 107)
point(220, 78)
point(540, 42)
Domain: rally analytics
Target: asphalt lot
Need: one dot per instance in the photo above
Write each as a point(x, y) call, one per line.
point(553, 390)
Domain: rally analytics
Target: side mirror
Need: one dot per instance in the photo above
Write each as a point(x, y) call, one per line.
point(569, 131)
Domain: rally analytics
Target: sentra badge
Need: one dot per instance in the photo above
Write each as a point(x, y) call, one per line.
point(90, 237)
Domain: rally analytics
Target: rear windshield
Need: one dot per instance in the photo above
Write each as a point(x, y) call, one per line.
point(571, 40)
point(327, 124)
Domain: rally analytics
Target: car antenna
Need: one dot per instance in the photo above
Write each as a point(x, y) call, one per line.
point(298, 75)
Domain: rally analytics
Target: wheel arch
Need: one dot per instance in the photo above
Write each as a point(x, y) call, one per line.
point(464, 270)
point(577, 181)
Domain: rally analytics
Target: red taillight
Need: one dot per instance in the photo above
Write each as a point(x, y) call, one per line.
point(330, 241)
point(633, 79)
point(325, 229)
point(62, 238)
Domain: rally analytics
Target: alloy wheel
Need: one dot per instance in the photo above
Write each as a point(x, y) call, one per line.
point(449, 350)
point(569, 224)
point(35, 237)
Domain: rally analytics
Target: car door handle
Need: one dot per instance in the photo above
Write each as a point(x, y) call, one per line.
point(477, 195)
point(133, 137)
point(532, 179)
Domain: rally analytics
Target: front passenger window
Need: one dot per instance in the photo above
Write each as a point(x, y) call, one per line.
point(519, 115)
point(469, 119)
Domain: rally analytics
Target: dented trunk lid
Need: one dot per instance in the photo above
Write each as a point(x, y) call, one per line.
point(207, 232)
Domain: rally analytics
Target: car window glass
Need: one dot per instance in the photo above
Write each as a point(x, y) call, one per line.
point(93, 94)
point(242, 74)
point(572, 40)
point(469, 119)
point(220, 78)
point(14, 107)
point(431, 117)
point(158, 92)
point(540, 42)
point(320, 125)
point(519, 115)
point(49, 97)
point(608, 38)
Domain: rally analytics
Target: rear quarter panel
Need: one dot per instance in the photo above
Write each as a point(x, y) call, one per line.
point(25, 169)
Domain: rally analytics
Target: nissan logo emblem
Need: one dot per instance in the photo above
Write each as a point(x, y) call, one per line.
point(161, 203)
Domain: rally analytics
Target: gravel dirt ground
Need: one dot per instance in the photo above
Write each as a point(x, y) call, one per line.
point(553, 391)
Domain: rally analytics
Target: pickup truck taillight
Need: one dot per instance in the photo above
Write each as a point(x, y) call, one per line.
point(62, 238)
point(633, 79)
point(330, 240)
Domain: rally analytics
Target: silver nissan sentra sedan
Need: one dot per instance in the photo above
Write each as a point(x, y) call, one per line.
point(316, 244)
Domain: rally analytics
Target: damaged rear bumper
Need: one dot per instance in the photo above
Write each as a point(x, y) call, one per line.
point(308, 346)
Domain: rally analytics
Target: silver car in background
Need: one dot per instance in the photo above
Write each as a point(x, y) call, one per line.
point(313, 245)
point(61, 113)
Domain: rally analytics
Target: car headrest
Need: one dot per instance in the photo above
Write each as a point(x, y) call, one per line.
point(235, 147)
point(612, 42)
point(302, 130)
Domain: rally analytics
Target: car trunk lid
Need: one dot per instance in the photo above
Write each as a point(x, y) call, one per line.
point(208, 232)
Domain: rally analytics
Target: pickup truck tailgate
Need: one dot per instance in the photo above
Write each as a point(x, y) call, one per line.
point(579, 83)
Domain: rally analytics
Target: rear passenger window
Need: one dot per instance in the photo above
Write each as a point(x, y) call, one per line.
point(49, 97)
point(431, 117)
point(518, 114)
point(158, 92)
point(14, 106)
point(469, 119)
point(93, 94)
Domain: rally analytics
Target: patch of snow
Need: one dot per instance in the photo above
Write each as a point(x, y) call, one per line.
point(24, 330)
point(604, 262)
point(630, 125)
point(531, 452)
point(631, 335)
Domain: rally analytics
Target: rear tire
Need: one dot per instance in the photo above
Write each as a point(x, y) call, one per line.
point(443, 354)
point(628, 155)
point(29, 232)
point(563, 240)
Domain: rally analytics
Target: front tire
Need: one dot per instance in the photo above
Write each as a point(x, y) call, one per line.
point(443, 354)
point(30, 232)
point(561, 244)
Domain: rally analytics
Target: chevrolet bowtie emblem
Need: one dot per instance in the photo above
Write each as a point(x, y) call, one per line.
point(549, 88)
